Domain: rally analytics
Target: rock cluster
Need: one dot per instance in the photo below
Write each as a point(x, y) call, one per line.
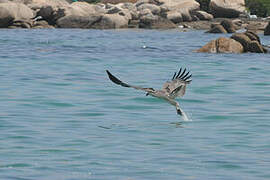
point(67, 14)
point(267, 30)
point(15, 14)
point(237, 43)
point(226, 26)
point(222, 45)
point(227, 8)
point(63, 14)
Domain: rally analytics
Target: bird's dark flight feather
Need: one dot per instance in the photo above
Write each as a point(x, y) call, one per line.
point(182, 75)
point(176, 89)
point(116, 80)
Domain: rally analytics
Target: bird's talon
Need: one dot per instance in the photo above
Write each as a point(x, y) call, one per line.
point(179, 112)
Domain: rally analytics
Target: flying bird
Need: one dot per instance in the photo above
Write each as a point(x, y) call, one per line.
point(172, 89)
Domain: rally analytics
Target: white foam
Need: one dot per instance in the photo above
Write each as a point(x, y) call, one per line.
point(184, 116)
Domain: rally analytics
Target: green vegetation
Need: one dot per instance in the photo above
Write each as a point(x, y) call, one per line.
point(259, 7)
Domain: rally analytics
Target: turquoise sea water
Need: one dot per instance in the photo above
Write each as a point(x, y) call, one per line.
point(61, 118)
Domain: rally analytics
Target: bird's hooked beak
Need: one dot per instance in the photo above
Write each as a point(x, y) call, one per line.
point(146, 94)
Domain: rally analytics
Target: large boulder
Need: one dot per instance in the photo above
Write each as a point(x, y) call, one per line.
point(140, 2)
point(267, 30)
point(190, 5)
point(238, 43)
point(41, 24)
point(174, 16)
point(37, 4)
point(186, 14)
point(18, 10)
point(6, 17)
point(114, 1)
point(22, 24)
point(106, 21)
point(4, 1)
point(145, 12)
point(228, 25)
point(73, 21)
point(83, 9)
point(217, 28)
point(243, 39)
point(16, 1)
point(152, 7)
point(255, 47)
point(250, 41)
point(202, 15)
point(118, 9)
point(113, 10)
point(47, 13)
point(184, 7)
point(126, 14)
point(131, 8)
point(49, 9)
point(150, 21)
point(112, 21)
point(253, 36)
point(222, 45)
point(227, 8)
point(10, 12)
point(77, 9)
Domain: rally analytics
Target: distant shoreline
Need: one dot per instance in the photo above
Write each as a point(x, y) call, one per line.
point(144, 14)
point(256, 26)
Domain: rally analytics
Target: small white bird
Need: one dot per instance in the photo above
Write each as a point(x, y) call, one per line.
point(170, 90)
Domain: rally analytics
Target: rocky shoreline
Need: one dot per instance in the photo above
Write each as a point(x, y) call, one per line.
point(148, 14)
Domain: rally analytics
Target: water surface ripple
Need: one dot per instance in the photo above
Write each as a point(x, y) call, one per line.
point(61, 118)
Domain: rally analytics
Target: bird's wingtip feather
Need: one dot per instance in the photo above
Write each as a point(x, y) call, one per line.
point(108, 72)
point(116, 80)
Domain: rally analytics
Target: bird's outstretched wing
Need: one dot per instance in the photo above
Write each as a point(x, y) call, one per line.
point(119, 82)
point(177, 86)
